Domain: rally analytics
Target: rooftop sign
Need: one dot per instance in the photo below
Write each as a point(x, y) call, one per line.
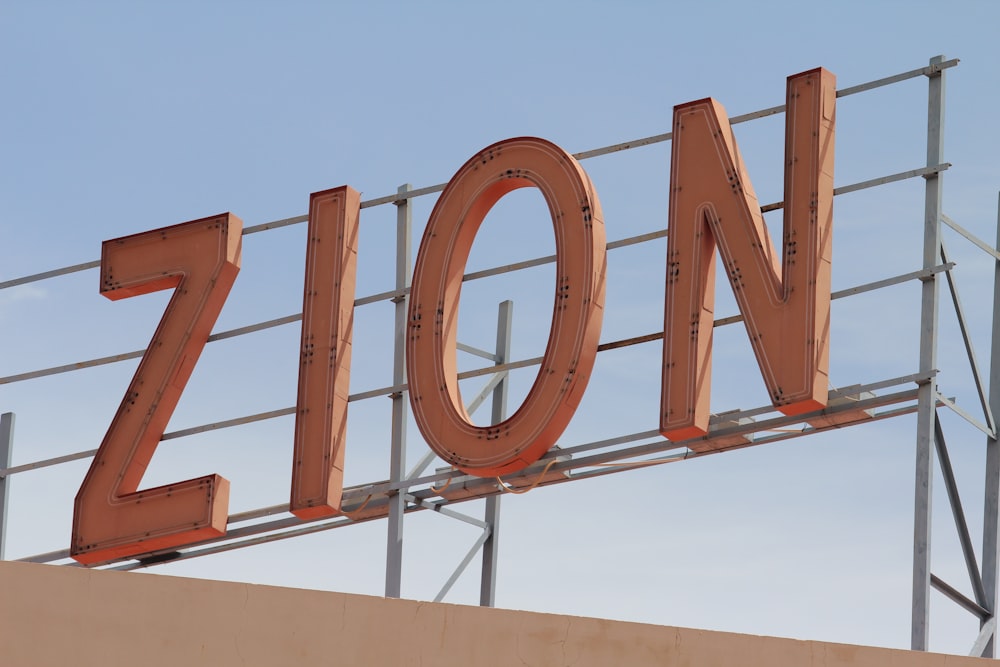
point(785, 304)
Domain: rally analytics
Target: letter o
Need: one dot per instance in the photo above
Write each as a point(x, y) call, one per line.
point(577, 313)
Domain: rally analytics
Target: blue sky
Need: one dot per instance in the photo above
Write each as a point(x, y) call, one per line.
point(124, 117)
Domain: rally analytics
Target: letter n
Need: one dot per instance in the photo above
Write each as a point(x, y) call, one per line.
point(785, 303)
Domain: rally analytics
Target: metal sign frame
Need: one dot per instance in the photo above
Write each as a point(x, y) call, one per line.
point(412, 490)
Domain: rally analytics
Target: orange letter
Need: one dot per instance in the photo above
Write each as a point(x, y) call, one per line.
point(325, 361)
point(576, 320)
point(786, 308)
point(111, 518)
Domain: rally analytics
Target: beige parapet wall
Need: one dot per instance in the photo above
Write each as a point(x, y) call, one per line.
point(65, 616)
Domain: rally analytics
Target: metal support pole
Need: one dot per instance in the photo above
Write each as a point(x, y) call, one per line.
point(6, 447)
point(400, 402)
point(991, 510)
point(491, 547)
point(928, 362)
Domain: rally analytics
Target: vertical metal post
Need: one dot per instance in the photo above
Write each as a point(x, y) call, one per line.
point(991, 511)
point(491, 547)
point(927, 393)
point(6, 447)
point(400, 402)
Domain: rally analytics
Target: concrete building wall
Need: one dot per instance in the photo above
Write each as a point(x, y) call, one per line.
point(72, 616)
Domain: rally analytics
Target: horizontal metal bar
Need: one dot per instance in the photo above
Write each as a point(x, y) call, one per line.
point(614, 148)
point(915, 378)
point(871, 183)
point(45, 463)
point(293, 526)
point(776, 422)
point(893, 178)
point(137, 354)
point(975, 240)
point(67, 368)
point(385, 391)
point(895, 280)
point(854, 187)
point(600, 470)
point(640, 238)
point(391, 295)
point(770, 111)
point(228, 423)
point(896, 78)
point(259, 513)
point(663, 445)
point(355, 493)
point(754, 115)
point(509, 268)
point(958, 598)
point(398, 197)
point(624, 146)
point(253, 229)
point(384, 487)
point(35, 465)
point(265, 533)
point(306, 529)
point(44, 275)
point(252, 328)
point(297, 317)
point(275, 224)
point(550, 259)
point(777, 436)
point(859, 289)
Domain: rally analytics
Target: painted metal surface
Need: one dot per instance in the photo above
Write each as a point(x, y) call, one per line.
point(927, 392)
point(6, 451)
point(112, 518)
point(325, 354)
point(576, 321)
point(737, 426)
point(491, 513)
point(991, 499)
point(786, 306)
point(396, 503)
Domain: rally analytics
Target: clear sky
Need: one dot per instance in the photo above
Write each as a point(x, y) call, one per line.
point(122, 117)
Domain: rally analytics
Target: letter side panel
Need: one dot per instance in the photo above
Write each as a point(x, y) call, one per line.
point(577, 315)
point(786, 306)
point(111, 518)
point(325, 354)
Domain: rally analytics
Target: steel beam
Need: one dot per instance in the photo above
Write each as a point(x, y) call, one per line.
point(984, 639)
point(926, 395)
point(6, 448)
point(963, 326)
point(491, 546)
point(991, 509)
point(400, 402)
point(470, 554)
point(964, 537)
